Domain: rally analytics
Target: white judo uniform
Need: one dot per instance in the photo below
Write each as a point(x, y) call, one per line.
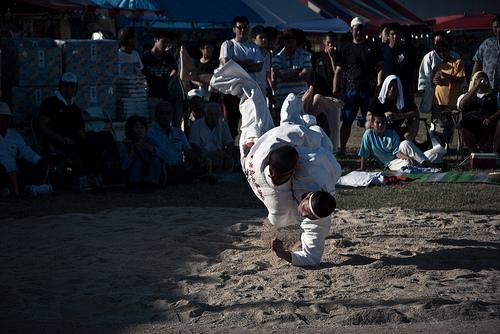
point(317, 167)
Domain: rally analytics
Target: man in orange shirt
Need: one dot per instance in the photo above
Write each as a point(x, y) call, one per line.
point(448, 78)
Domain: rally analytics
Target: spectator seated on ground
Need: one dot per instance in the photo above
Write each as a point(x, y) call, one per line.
point(480, 127)
point(181, 162)
point(210, 136)
point(12, 147)
point(383, 144)
point(141, 164)
point(401, 113)
point(62, 129)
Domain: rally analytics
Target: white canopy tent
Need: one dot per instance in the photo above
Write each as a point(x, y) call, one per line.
point(320, 25)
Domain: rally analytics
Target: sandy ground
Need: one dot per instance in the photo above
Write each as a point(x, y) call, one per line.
point(210, 270)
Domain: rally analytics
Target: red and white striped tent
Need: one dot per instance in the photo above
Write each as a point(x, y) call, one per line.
point(374, 12)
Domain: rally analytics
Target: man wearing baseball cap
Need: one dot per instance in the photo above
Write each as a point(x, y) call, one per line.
point(360, 65)
point(12, 146)
point(62, 129)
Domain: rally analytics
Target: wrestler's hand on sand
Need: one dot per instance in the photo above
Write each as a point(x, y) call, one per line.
point(277, 247)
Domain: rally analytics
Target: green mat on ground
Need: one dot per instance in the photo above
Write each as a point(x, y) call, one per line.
point(451, 177)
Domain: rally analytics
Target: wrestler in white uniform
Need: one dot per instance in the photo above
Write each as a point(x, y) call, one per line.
point(317, 167)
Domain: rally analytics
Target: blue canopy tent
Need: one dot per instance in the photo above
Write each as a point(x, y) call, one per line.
point(132, 4)
point(321, 25)
point(191, 14)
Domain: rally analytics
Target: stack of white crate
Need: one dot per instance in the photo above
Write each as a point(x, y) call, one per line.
point(131, 92)
point(95, 63)
point(31, 68)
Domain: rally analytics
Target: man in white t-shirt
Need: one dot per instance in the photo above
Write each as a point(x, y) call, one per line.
point(127, 53)
point(211, 137)
point(247, 55)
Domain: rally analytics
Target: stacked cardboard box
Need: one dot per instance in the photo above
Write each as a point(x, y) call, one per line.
point(95, 63)
point(31, 68)
point(26, 101)
point(102, 96)
point(131, 92)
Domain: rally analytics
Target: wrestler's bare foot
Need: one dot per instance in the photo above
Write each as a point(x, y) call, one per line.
point(277, 247)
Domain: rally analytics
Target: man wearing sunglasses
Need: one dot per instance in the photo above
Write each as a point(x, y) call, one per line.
point(243, 51)
point(290, 168)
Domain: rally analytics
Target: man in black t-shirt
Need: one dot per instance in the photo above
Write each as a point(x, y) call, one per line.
point(159, 66)
point(360, 67)
point(62, 129)
point(324, 66)
point(400, 59)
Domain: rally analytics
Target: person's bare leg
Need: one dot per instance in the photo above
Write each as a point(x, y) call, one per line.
point(412, 129)
point(13, 184)
point(307, 101)
point(469, 140)
point(345, 133)
point(368, 123)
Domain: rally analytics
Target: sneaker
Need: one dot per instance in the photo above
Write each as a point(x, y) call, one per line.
point(4, 192)
point(361, 122)
point(95, 181)
point(81, 183)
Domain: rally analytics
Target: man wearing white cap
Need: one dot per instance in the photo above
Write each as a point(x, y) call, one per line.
point(195, 107)
point(360, 65)
point(290, 168)
point(62, 128)
point(12, 146)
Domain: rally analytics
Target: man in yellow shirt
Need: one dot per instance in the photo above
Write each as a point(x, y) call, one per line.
point(448, 78)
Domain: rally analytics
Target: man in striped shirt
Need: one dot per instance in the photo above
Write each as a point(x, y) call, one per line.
point(291, 68)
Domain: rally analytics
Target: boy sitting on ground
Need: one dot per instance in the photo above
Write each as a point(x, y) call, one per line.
point(383, 144)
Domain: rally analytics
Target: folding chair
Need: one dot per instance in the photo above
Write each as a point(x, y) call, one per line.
point(59, 165)
point(455, 117)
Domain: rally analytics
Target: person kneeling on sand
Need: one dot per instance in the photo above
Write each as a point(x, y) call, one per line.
point(384, 145)
point(290, 168)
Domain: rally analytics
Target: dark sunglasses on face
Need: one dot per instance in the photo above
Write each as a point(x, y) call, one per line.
point(241, 27)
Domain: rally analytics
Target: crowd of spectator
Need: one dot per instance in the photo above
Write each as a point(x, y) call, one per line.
point(193, 128)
